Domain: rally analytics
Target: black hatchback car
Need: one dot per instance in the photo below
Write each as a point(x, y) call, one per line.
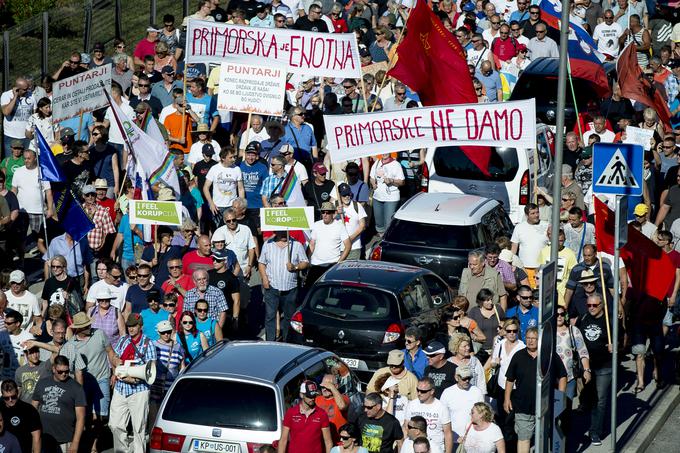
point(361, 309)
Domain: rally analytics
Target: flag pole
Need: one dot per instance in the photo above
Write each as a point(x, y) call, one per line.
point(80, 125)
point(393, 60)
point(604, 298)
point(184, 89)
point(42, 195)
point(573, 95)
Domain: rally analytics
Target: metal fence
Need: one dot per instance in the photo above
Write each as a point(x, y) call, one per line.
point(39, 45)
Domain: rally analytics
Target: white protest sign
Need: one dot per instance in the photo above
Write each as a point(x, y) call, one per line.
point(153, 212)
point(367, 134)
point(251, 89)
point(80, 93)
point(639, 136)
point(310, 53)
point(286, 219)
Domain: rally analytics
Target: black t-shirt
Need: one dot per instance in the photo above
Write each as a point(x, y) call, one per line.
point(251, 223)
point(226, 282)
point(153, 102)
point(247, 6)
point(316, 194)
point(303, 23)
point(160, 271)
point(57, 409)
point(52, 285)
point(200, 170)
point(595, 335)
point(378, 434)
point(137, 296)
point(219, 14)
point(78, 175)
point(70, 72)
point(442, 378)
point(21, 420)
point(522, 371)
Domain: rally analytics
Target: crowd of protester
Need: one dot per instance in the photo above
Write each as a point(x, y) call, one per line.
point(121, 296)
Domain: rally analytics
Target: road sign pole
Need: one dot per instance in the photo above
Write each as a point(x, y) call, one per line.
point(615, 318)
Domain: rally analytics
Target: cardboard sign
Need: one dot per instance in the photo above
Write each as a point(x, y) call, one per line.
point(639, 136)
point(374, 68)
point(251, 89)
point(152, 212)
point(80, 93)
point(492, 124)
point(286, 219)
point(310, 53)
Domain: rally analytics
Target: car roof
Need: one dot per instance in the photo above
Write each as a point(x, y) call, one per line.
point(263, 360)
point(551, 66)
point(393, 276)
point(445, 208)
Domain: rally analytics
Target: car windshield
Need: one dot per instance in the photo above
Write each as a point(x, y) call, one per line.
point(350, 302)
point(451, 162)
point(223, 403)
point(433, 235)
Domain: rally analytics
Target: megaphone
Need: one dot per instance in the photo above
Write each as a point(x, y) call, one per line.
point(146, 373)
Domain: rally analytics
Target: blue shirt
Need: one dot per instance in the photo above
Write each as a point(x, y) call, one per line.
point(492, 83)
point(164, 96)
point(83, 256)
point(124, 229)
point(194, 347)
point(74, 122)
point(416, 365)
point(209, 104)
point(302, 138)
point(526, 320)
point(151, 319)
point(253, 177)
point(207, 328)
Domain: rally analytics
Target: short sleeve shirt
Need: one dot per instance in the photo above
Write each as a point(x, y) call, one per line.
point(305, 430)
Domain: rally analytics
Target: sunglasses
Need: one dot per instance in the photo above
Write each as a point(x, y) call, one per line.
point(593, 305)
point(56, 267)
point(368, 408)
point(511, 331)
point(10, 397)
point(560, 313)
point(168, 332)
point(174, 267)
point(423, 391)
point(143, 275)
point(229, 221)
point(169, 305)
point(345, 438)
point(143, 86)
point(61, 372)
point(116, 277)
point(188, 323)
point(526, 297)
point(410, 341)
point(201, 310)
point(466, 379)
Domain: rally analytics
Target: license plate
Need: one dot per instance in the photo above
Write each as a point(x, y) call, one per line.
point(211, 446)
point(352, 363)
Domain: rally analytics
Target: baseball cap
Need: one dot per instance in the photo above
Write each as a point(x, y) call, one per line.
point(310, 389)
point(253, 147)
point(352, 168)
point(286, 149)
point(395, 357)
point(17, 144)
point(220, 254)
point(327, 206)
point(135, 319)
point(587, 152)
point(208, 150)
point(67, 131)
point(320, 168)
point(167, 69)
point(641, 209)
point(98, 46)
point(468, 7)
point(434, 348)
point(344, 189)
point(17, 276)
point(163, 326)
point(363, 52)
point(260, 7)
point(89, 189)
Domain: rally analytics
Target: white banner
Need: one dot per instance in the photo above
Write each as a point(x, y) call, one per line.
point(80, 93)
point(639, 136)
point(305, 52)
point(251, 89)
point(367, 134)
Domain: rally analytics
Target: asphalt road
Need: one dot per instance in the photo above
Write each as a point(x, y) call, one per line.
point(668, 438)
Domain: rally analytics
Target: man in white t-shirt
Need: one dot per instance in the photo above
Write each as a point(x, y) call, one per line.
point(435, 412)
point(26, 187)
point(459, 399)
point(18, 104)
point(17, 334)
point(226, 181)
point(22, 300)
point(607, 35)
point(300, 170)
point(113, 281)
point(115, 136)
point(353, 215)
point(329, 242)
point(529, 237)
point(255, 133)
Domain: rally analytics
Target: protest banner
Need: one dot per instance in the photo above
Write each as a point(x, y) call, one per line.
point(286, 219)
point(153, 212)
point(367, 134)
point(374, 68)
point(639, 136)
point(251, 89)
point(310, 53)
point(80, 93)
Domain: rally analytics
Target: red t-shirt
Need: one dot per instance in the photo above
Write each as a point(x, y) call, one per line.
point(144, 48)
point(305, 430)
point(336, 417)
point(504, 49)
point(108, 204)
point(192, 261)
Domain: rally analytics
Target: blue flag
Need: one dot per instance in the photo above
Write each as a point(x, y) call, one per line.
point(49, 167)
point(71, 215)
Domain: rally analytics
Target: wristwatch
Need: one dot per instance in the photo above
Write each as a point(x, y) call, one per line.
point(587, 370)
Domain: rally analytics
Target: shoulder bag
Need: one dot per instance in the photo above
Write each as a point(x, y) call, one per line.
point(576, 366)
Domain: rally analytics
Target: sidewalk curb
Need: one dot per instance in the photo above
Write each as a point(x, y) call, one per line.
point(644, 436)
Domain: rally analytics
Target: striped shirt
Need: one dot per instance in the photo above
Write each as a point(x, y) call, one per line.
point(272, 184)
point(275, 259)
point(147, 351)
point(217, 304)
point(167, 366)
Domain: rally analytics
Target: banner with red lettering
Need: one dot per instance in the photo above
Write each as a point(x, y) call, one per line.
point(80, 93)
point(309, 53)
point(367, 134)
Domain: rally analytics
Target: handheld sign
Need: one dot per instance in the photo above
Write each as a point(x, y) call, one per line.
point(617, 168)
point(153, 212)
point(286, 219)
point(251, 89)
point(80, 93)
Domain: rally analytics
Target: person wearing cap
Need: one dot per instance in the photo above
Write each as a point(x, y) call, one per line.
point(153, 314)
point(262, 17)
point(146, 45)
point(19, 298)
point(306, 426)
point(380, 430)
point(200, 170)
point(113, 281)
point(641, 215)
point(590, 285)
point(356, 181)
point(584, 170)
point(435, 412)
point(201, 137)
point(459, 399)
point(28, 375)
point(291, 163)
point(98, 56)
point(105, 317)
point(329, 244)
point(672, 83)
point(575, 289)
point(416, 440)
point(320, 190)
point(395, 368)
point(169, 363)
point(130, 401)
point(353, 216)
point(222, 276)
point(439, 370)
point(77, 169)
point(163, 89)
point(254, 173)
point(335, 403)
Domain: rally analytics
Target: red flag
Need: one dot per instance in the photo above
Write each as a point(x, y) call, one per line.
point(650, 269)
point(432, 63)
point(635, 86)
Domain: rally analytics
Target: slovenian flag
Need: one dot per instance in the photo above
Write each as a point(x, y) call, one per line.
point(584, 59)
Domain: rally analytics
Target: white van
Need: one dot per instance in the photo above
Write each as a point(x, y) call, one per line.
point(512, 172)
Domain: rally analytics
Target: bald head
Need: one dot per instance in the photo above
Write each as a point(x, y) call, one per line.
point(486, 66)
point(203, 245)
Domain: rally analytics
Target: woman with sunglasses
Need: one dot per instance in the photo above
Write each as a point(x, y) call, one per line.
point(461, 348)
point(193, 341)
point(106, 317)
point(350, 440)
point(207, 326)
point(59, 287)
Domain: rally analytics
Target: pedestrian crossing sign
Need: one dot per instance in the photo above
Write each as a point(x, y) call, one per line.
point(617, 168)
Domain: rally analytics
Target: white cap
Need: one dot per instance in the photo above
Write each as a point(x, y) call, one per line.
point(163, 326)
point(104, 293)
point(17, 276)
point(390, 382)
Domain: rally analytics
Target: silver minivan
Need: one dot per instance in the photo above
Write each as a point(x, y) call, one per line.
point(233, 397)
